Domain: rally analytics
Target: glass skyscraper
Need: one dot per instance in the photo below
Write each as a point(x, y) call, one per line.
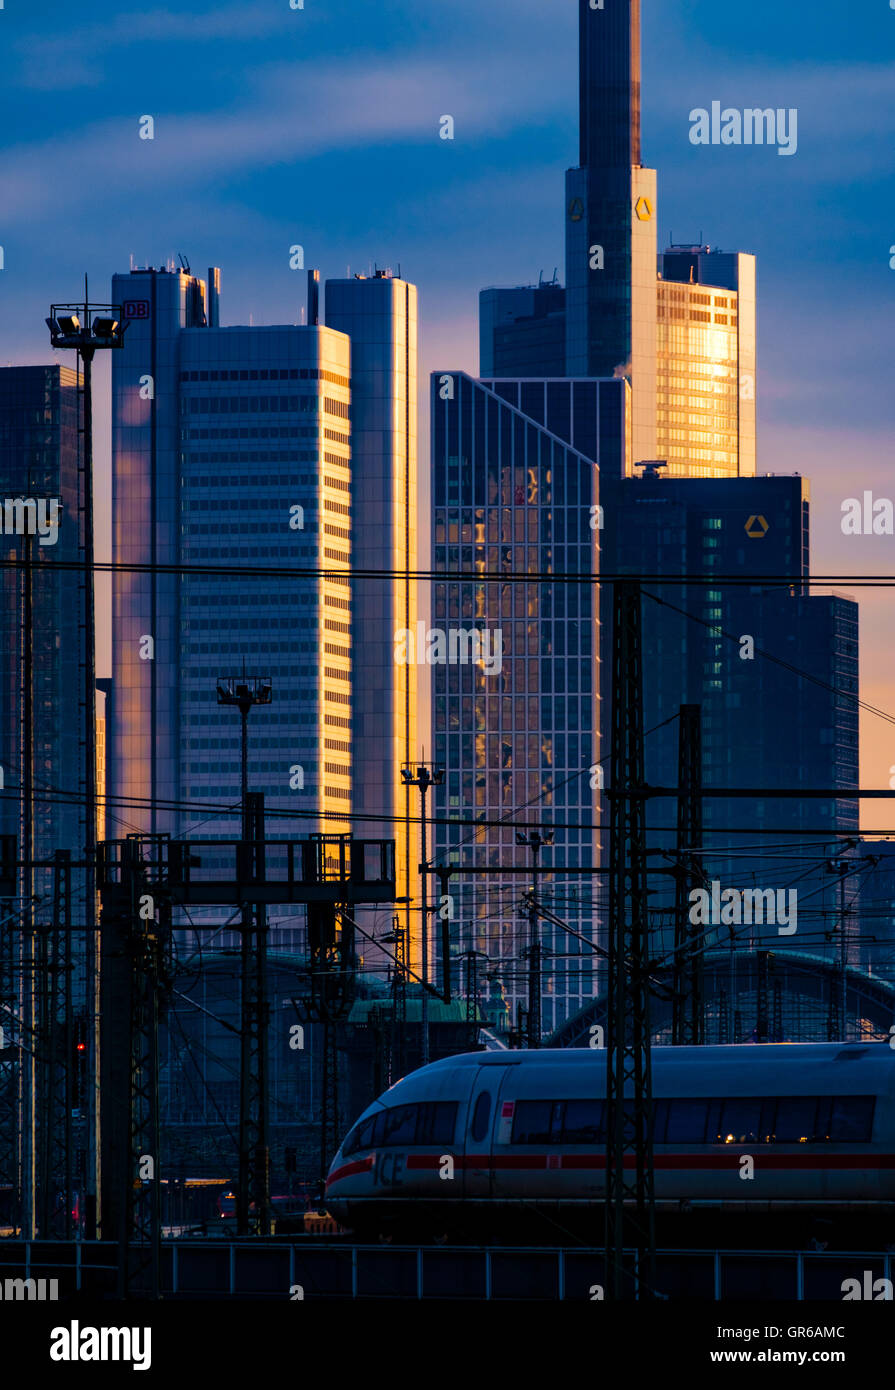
point(687, 349)
point(594, 417)
point(39, 463)
point(785, 716)
point(705, 384)
point(231, 447)
point(519, 736)
point(379, 315)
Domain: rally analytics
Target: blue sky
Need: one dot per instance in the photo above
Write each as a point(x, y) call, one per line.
point(320, 126)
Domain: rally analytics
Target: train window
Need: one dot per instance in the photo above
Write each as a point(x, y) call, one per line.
point(400, 1125)
point(436, 1122)
point(796, 1120)
point(361, 1137)
point(480, 1117)
point(660, 1121)
point(531, 1122)
point(686, 1121)
point(740, 1121)
point(583, 1122)
point(851, 1119)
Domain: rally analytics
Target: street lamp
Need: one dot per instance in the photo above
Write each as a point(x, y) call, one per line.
point(424, 776)
point(84, 328)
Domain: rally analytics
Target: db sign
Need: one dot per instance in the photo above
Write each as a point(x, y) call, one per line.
point(135, 309)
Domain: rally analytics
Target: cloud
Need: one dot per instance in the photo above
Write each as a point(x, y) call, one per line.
point(70, 59)
point(299, 111)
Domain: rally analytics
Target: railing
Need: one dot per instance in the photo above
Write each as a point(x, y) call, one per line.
point(337, 1269)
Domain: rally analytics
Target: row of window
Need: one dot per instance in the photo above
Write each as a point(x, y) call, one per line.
point(432, 1122)
point(285, 481)
point(269, 374)
point(247, 405)
point(744, 1120)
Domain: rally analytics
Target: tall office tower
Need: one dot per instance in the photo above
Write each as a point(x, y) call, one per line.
point(774, 669)
point(515, 682)
point(379, 315)
point(522, 331)
point(705, 383)
point(231, 447)
point(688, 348)
point(611, 219)
point(41, 654)
point(594, 417)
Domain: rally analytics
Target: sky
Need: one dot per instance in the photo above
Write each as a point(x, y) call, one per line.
point(319, 126)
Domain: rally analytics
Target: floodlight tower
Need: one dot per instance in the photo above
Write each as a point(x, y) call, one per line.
point(253, 1188)
point(86, 329)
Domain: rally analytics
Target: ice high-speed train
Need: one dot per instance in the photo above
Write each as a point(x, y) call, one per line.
point(523, 1131)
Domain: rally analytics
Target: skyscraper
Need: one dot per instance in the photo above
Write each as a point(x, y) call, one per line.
point(705, 384)
point(611, 219)
point(231, 447)
point(41, 652)
point(773, 667)
point(379, 316)
point(690, 361)
point(516, 710)
point(522, 331)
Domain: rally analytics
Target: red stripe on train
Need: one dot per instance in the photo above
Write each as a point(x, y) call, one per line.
point(348, 1170)
point(669, 1162)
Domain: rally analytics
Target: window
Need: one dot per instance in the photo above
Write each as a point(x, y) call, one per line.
point(851, 1119)
point(686, 1121)
point(583, 1122)
point(361, 1137)
point(796, 1117)
point(436, 1122)
point(531, 1122)
point(480, 1117)
point(433, 1122)
point(740, 1122)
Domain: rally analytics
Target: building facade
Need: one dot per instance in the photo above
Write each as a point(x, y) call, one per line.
point(379, 316)
point(773, 668)
point(518, 729)
point(236, 456)
point(39, 418)
point(705, 375)
point(683, 338)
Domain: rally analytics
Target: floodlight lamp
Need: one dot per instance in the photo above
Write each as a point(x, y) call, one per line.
point(69, 325)
point(105, 327)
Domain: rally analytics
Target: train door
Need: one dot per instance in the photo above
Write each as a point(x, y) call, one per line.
point(482, 1119)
